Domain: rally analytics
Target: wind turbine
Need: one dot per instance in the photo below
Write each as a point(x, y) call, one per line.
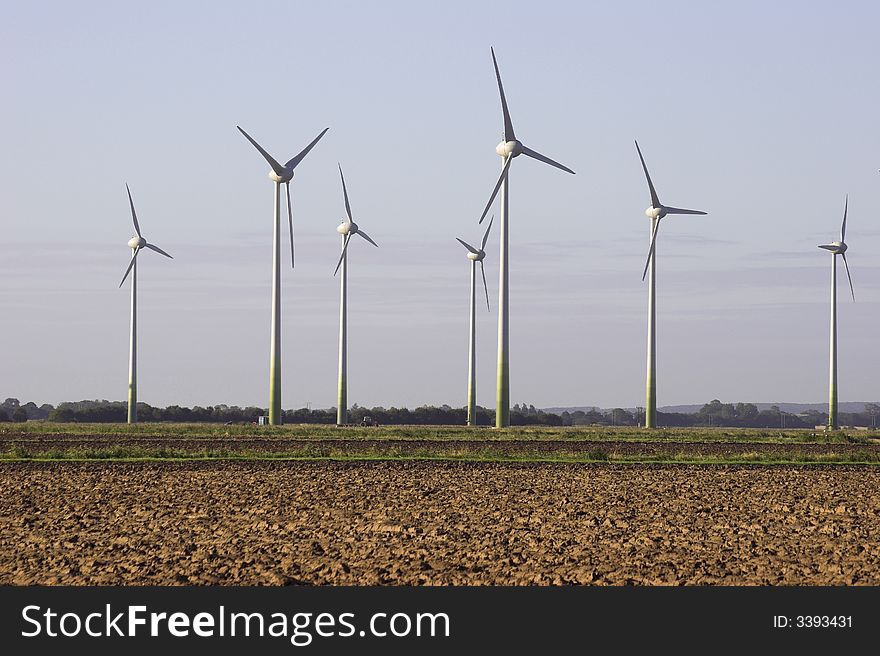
point(347, 228)
point(656, 213)
point(475, 255)
point(279, 175)
point(509, 148)
point(836, 248)
point(136, 244)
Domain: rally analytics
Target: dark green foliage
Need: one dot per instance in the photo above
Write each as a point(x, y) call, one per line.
point(30, 409)
point(712, 414)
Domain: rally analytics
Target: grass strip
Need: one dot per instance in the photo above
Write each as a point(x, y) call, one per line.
point(129, 454)
point(35, 429)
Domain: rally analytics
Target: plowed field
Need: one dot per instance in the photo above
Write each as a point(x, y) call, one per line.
point(438, 523)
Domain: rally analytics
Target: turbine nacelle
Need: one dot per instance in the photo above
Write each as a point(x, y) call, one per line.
point(476, 257)
point(285, 177)
point(347, 227)
point(836, 247)
point(513, 148)
point(137, 242)
point(655, 212)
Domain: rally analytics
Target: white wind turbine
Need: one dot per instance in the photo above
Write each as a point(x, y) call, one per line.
point(136, 244)
point(509, 148)
point(347, 228)
point(279, 175)
point(836, 248)
point(475, 255)
point(656, 213)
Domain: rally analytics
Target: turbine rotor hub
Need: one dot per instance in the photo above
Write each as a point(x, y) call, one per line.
point(835, 247)
point(506, 148)
point(137, 242)
point(347, 227)
point(274, 177)
point(655, 212)
point(476, 257)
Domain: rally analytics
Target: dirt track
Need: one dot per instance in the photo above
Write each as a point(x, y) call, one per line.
point(436, 523)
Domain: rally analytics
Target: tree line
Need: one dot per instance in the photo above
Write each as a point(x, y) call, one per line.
point(714, 413)
point(102, 411)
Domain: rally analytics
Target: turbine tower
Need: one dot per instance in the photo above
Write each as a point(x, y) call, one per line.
point(475, 255)
point(279, 175)
point(347, 228)
point(136, 244)
point(509, 148)
point(656, 213)
point(836, 248)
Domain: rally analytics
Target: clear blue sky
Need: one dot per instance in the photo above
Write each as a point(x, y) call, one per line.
point(763, 114)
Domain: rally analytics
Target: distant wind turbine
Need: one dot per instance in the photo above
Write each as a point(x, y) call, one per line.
point(475, 255)
point(656, 213)
point(136, 244)
point(279, 175)
point(836, 248)
point(509, 148)
point(346, 229)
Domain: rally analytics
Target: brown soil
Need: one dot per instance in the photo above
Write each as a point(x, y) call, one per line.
point(436, 523)
point(40, 444)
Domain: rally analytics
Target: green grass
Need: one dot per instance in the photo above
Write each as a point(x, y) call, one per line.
point(432, 433)
point(437, 452)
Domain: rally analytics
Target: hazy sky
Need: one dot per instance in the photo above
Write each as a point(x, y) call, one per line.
point(763, 114)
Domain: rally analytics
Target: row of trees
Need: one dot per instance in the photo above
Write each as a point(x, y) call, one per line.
point(116, 411)
point(714, 413)
point(12, 410)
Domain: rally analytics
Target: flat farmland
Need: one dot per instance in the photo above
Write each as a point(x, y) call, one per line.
point(159, 441)
point(264, 522)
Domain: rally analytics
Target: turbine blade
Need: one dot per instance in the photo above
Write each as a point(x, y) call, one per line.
point(279, 170)
point(467, 246)
point(134, 216)
point(852, 291)
point(367, 237)
point(130, 265)
point(497, 187)
point(291, 164)
point(345, 193)
point(342, 256)
point(290, 224)
point(508, 126)
point(486, 236)
point(651, 249)
point(678, 210)
point(542, 158)
point(153, 247)
point(828, 247)
point(485, 286)
point(843, 227)
point(655, 201)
